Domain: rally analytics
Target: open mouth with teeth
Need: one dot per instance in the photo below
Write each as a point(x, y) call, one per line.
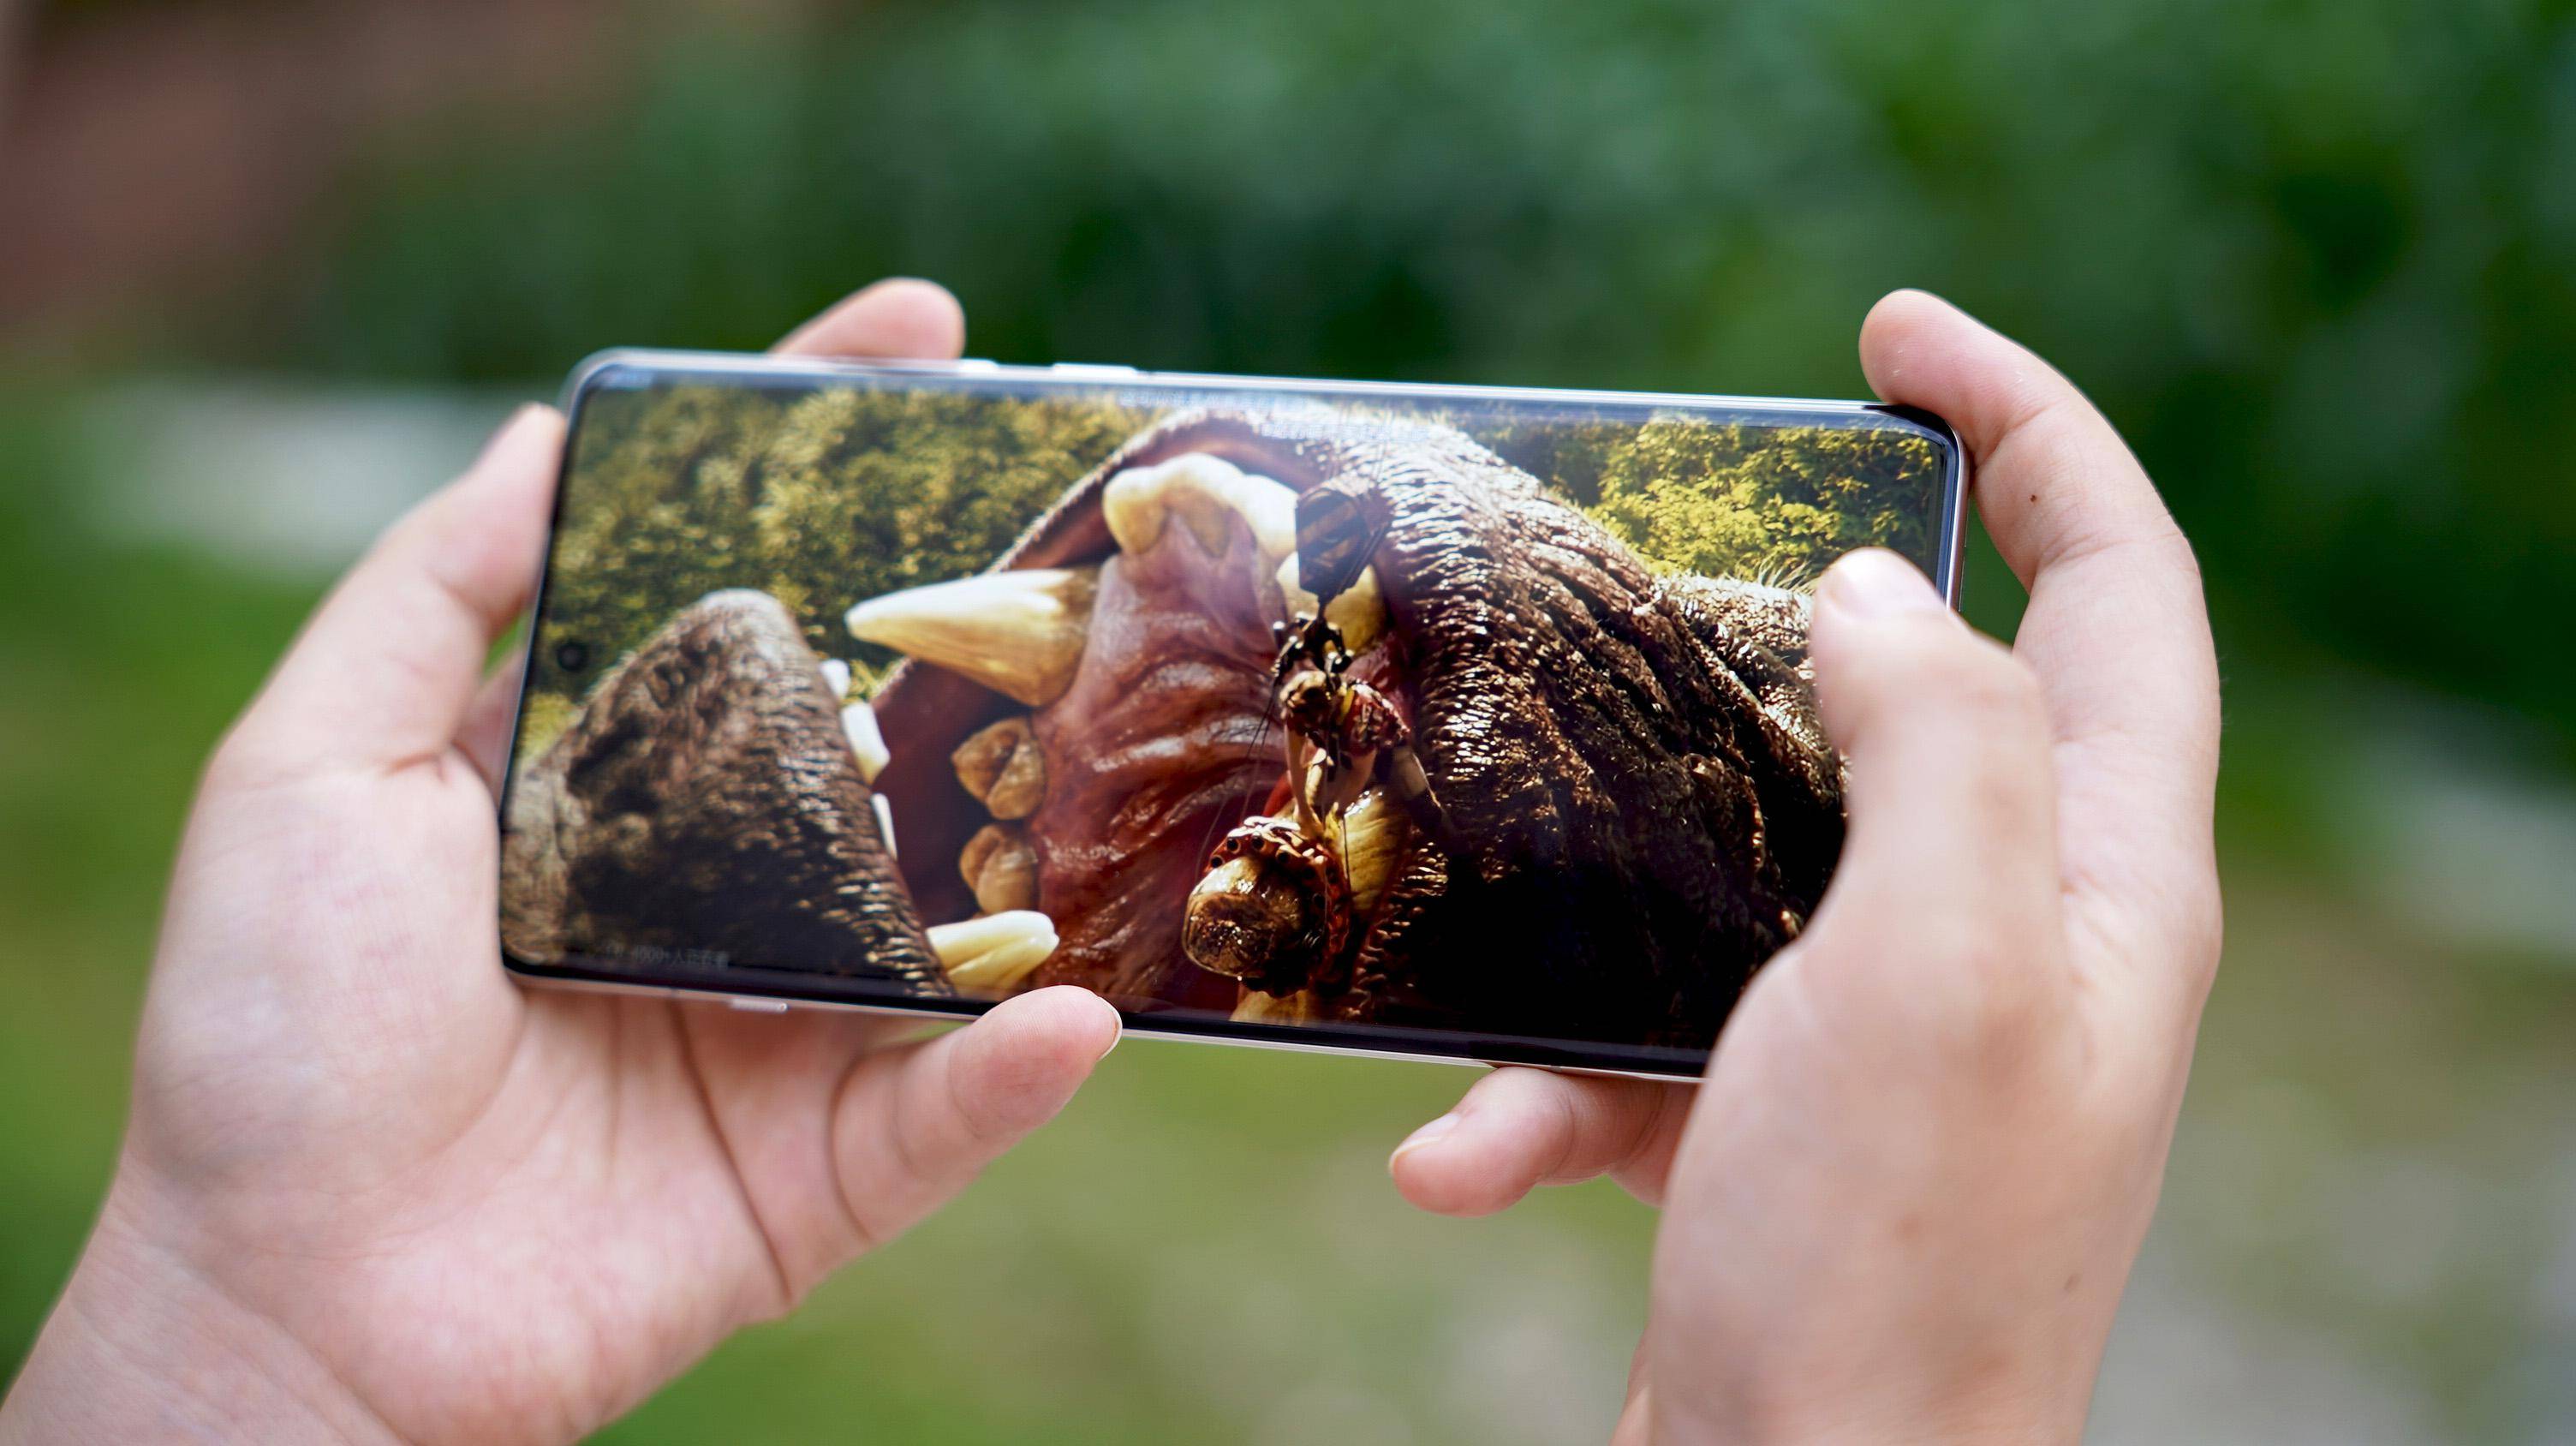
point(1304, 715)
point(1547, 788)
point(1097, 723)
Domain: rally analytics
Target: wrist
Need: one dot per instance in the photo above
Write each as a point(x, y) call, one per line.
point(142, 1346)
point(1864, 1428)
point(1869, 1418)
point(1845, 1394)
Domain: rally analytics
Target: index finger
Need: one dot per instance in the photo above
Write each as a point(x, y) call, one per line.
point(900, 317)
point(2116, 629)
point(1519, 1128)
point(386, 672)
point(386, 668)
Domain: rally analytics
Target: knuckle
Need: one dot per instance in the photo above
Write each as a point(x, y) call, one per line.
point(1972, 692)
point(2003, 1009)
point(2184, 558)
point(1992, 684)
point(244, 762)
point(999, 1094)
point(1942, 659)
point(980, 1101)
point(2199, 938)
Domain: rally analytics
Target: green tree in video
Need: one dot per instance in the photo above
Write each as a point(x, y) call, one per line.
point(1779, 503)
point(861, 493)
point(652, 517)
point(820, 499)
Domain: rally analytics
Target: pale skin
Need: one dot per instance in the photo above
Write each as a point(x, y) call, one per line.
point(372, 1189)
point(1904, 1203)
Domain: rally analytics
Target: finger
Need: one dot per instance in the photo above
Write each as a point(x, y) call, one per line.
point(770, 1084)
point(2116, 628)
point(1521, 1128)
point(901, 317)
point(1637, 1419)
point(912, 1126)
point(484, 738)
point(1948, 870)
point(1636, 1426)
point(388, 665)
point(2079, 490)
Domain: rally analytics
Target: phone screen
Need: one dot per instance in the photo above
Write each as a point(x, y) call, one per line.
point(1434, 721)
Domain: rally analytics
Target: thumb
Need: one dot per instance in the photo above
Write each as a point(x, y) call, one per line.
point(914, 1125)
point(1949, 867)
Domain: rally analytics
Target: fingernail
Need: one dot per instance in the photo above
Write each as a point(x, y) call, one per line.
point(1424, 1136)
point(1118, 1034)
point(1873, 583)
point(503, 435)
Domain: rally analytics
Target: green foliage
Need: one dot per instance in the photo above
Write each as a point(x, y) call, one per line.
point(820, 499)
point(543, 717)
point(825, 498)
point(2317, 261)
point(1779, 503)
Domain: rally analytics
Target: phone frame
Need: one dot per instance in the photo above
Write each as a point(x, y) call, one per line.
point(777, 991)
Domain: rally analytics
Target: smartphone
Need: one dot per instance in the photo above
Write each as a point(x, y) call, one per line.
point(1451, 722)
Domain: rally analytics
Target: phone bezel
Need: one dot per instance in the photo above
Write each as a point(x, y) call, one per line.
point(770, 989)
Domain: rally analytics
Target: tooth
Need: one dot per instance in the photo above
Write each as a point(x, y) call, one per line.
point(1359, 612)
point(859, 725)
point(1372, 836)
point(1002, 767)
point(836, 676)
point(1301, 1007)
point(1018, 633)
point(1001, 866)
point(1209, 495)
point(994, 953)
point(885, 821)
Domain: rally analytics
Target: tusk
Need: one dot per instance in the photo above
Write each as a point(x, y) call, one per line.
point(859, 725)
point(1209, 495)
point(1373, 832)
point(836, 676)
point(1001, 866)
point(1359, 613)
point(1301, 1007)
point(1003, 768)
point(1018, 633)
point(995, 953)
point(885, 822)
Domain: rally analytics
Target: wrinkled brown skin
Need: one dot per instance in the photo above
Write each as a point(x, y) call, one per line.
point(1645, 805)
point(706, 798)
point(1157, 748)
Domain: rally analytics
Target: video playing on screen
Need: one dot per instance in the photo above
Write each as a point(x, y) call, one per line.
point(1361, 712)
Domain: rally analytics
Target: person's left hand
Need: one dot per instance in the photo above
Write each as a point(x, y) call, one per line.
point(371, 1187)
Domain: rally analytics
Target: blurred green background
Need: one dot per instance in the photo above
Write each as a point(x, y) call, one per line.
point(268, 269)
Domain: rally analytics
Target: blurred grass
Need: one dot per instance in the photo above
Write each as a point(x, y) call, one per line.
point(121, 668)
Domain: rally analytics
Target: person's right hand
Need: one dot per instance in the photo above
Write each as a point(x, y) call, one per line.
point(1904, 1201)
